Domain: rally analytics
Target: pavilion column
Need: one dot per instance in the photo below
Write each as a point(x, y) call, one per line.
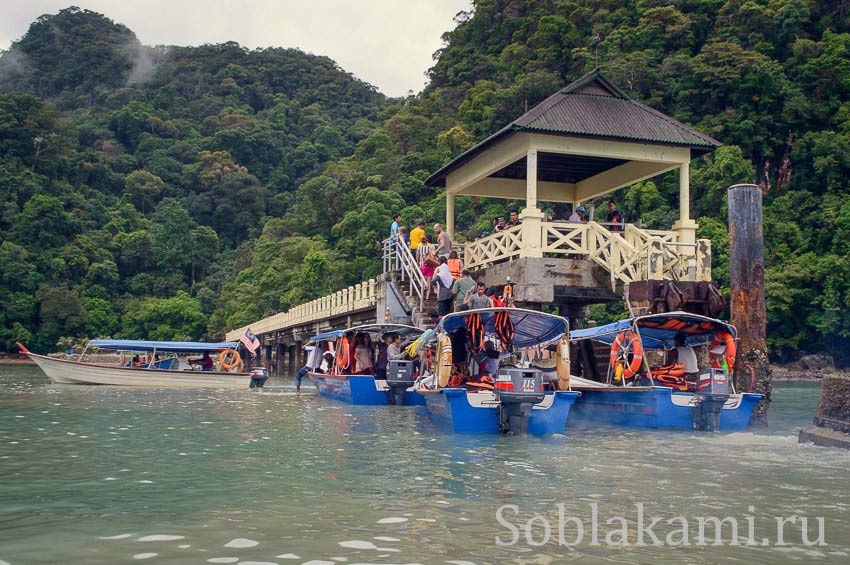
point(686, 227)
point(450, 215)
point(531, 215)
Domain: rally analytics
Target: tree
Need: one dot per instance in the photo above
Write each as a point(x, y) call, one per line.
point(143, 187)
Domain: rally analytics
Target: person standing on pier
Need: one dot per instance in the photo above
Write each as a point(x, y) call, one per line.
point(416, 235)
point(614, 217)
point(444, 281)
point(514, 221)
point(444, 244)
point(461, 287)
point(578, 215)
point(394, 227)
point(478, 299)
point(425, 256)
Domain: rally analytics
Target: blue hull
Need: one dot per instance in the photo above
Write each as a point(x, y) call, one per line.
point(360, 390)
point(653, 408)
point(450, 410)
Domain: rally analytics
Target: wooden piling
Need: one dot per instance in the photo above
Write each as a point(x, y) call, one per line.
point(747, 306)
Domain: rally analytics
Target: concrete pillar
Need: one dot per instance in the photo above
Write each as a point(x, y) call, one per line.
point(531, 179)
point(450, 215)
point(686, 227)
point(531, 216)
point(280, 369)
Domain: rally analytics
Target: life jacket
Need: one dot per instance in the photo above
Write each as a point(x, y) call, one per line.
point(342, 356)
point(475, 331)
point(504, 327)
point(673, 381)
point(484, 383)
point(508, 295)
point(677, 370)
point(454, 268)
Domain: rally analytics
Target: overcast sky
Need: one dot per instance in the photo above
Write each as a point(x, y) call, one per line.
point(387, 43)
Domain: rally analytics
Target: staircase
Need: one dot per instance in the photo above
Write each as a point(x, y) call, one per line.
point(402, 270)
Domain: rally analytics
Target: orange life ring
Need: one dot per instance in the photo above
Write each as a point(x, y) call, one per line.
point(229, 359)
point(723, 337)
point(627, 342)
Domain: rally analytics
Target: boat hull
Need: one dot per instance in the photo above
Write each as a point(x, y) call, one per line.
point(654, 408)
point(360, 390)
point(73, 372)
point(452, 410)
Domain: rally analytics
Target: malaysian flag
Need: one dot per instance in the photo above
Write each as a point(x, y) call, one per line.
point(250, 341)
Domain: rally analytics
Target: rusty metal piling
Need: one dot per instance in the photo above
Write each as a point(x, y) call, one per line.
point(746, 301)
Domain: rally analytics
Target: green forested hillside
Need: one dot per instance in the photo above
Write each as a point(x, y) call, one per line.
point(177, 191)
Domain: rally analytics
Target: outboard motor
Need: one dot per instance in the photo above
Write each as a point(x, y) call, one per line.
point(399, 379)
point(259, 376)
point(517, 391)
point(711, 394)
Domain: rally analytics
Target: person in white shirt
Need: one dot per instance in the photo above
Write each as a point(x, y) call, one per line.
point(578, 214)
point(684, 355)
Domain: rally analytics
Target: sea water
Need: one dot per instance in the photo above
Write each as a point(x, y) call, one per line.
point(123, 475)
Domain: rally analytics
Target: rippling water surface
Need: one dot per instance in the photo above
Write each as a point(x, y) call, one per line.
point(109, 475)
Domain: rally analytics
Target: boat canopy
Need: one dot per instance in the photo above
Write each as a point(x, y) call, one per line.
point(169, 346)
point(371, 328)
point(530, 327)
point(659, 330)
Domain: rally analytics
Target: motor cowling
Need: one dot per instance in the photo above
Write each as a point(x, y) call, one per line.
point(517, 391)
point(712, 392)
point(399, 379)
point(259, 376)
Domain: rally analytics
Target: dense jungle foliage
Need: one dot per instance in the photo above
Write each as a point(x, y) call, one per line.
point(167, 192)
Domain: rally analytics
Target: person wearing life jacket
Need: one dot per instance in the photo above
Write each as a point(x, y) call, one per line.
point(684, 355)
point(455, 265)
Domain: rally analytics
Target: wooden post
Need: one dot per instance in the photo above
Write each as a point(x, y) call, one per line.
point(746, 275)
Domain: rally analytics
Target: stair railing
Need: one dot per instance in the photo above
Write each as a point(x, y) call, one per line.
point(399, 258)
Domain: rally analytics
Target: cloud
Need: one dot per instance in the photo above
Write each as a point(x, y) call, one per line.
point(387, 43)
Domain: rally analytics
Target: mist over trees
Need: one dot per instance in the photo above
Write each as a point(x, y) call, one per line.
point(181, 191)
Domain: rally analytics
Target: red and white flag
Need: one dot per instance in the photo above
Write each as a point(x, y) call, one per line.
point(250, 341)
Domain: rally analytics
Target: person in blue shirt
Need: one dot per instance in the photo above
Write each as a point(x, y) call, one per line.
point(394, 227)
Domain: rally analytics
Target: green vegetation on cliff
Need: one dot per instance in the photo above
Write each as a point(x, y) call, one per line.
point(137, 181)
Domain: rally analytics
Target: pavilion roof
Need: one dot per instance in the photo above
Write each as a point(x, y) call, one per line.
point(591, 107)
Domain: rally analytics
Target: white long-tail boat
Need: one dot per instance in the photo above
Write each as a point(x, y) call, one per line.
point(158, 373)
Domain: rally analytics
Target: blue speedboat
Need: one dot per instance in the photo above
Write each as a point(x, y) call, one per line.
point(341, 379)
point(643, 388)
point(502, 393)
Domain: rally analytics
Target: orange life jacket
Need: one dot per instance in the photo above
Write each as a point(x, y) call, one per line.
point(454, 268)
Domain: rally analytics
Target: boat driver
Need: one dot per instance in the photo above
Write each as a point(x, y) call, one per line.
point(685, 355)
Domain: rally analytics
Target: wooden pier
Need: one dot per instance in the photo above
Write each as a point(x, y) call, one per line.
point(582, 143)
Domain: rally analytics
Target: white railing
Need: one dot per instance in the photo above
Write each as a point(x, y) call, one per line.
point(398, 257)
point(493, 248)
point(628, 255)
point(361, 296)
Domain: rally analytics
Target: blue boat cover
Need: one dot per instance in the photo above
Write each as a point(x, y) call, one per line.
point(698, 329)
point(170, 346)
point(371, 328)
point(530, 327)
